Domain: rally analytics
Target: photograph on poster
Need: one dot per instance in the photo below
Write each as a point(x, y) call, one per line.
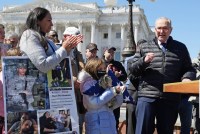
point(24, 86)
point(22, 123)
point(60, 76)
point(55, 121)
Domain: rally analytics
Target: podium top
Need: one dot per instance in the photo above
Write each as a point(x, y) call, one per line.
point(191, 87)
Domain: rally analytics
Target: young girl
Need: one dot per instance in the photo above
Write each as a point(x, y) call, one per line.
point(99, 118)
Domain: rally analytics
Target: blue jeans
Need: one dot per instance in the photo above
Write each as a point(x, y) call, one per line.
point(185, 114)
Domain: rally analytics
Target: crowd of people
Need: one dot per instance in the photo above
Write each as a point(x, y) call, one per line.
point(156, 62)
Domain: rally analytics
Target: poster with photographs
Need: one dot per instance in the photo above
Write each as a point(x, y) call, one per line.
point(29, 94)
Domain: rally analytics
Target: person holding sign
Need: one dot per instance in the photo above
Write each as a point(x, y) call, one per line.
point(40, 50)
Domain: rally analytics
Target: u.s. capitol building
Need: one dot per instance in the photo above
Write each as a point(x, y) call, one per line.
point(105, 26)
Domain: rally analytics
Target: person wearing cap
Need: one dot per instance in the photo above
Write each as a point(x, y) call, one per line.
point(19, 89)
point(91, 51)
point(119, 72)
point(41, 51)
point(77, 64)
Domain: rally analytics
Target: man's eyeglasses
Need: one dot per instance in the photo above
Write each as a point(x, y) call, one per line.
point(165, 29)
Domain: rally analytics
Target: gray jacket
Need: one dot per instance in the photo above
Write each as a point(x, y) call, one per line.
point(44, 61)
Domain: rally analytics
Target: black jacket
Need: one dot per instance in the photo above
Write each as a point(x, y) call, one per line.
point(167, 67)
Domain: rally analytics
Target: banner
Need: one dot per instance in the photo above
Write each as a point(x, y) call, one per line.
point(35, 102)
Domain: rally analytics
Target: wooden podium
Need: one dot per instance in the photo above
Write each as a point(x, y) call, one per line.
point(191, 87)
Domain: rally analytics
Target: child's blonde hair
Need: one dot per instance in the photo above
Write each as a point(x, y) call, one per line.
point(92, 66)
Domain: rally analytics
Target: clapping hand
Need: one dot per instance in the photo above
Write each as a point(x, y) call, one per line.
point(72, 41)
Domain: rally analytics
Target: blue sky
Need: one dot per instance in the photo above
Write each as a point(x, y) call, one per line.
point(183, 13)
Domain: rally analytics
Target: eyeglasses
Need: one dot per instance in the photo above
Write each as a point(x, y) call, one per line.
point(54, 35)
point(165, 29)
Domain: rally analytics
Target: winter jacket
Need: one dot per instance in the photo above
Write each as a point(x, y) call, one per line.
point(99, 118)
point(170, 66)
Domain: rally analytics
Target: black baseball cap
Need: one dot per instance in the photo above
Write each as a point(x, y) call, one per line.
point(110, 48)
point(92, 46)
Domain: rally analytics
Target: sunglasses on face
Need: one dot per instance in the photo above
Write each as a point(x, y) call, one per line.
point(54, 35)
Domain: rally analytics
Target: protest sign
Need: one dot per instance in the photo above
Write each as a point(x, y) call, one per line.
point(31, 98)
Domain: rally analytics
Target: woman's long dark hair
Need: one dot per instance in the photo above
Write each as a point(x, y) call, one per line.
point(34, 16)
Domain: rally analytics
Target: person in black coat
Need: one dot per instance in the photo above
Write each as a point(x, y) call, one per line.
point(159, 61)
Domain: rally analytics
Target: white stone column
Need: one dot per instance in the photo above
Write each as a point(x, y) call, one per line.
point(93, 32)
point(17, 28)
point(80, 27)
point(98, 39)
point(110, 35)
point(136, 26)
point(54, 27)
point(67, 24)
point(5, 27)
point(84, 43)
point(60, 34)
point(123, 26)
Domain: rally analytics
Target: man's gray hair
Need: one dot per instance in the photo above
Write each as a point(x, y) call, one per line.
point(164, 18)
